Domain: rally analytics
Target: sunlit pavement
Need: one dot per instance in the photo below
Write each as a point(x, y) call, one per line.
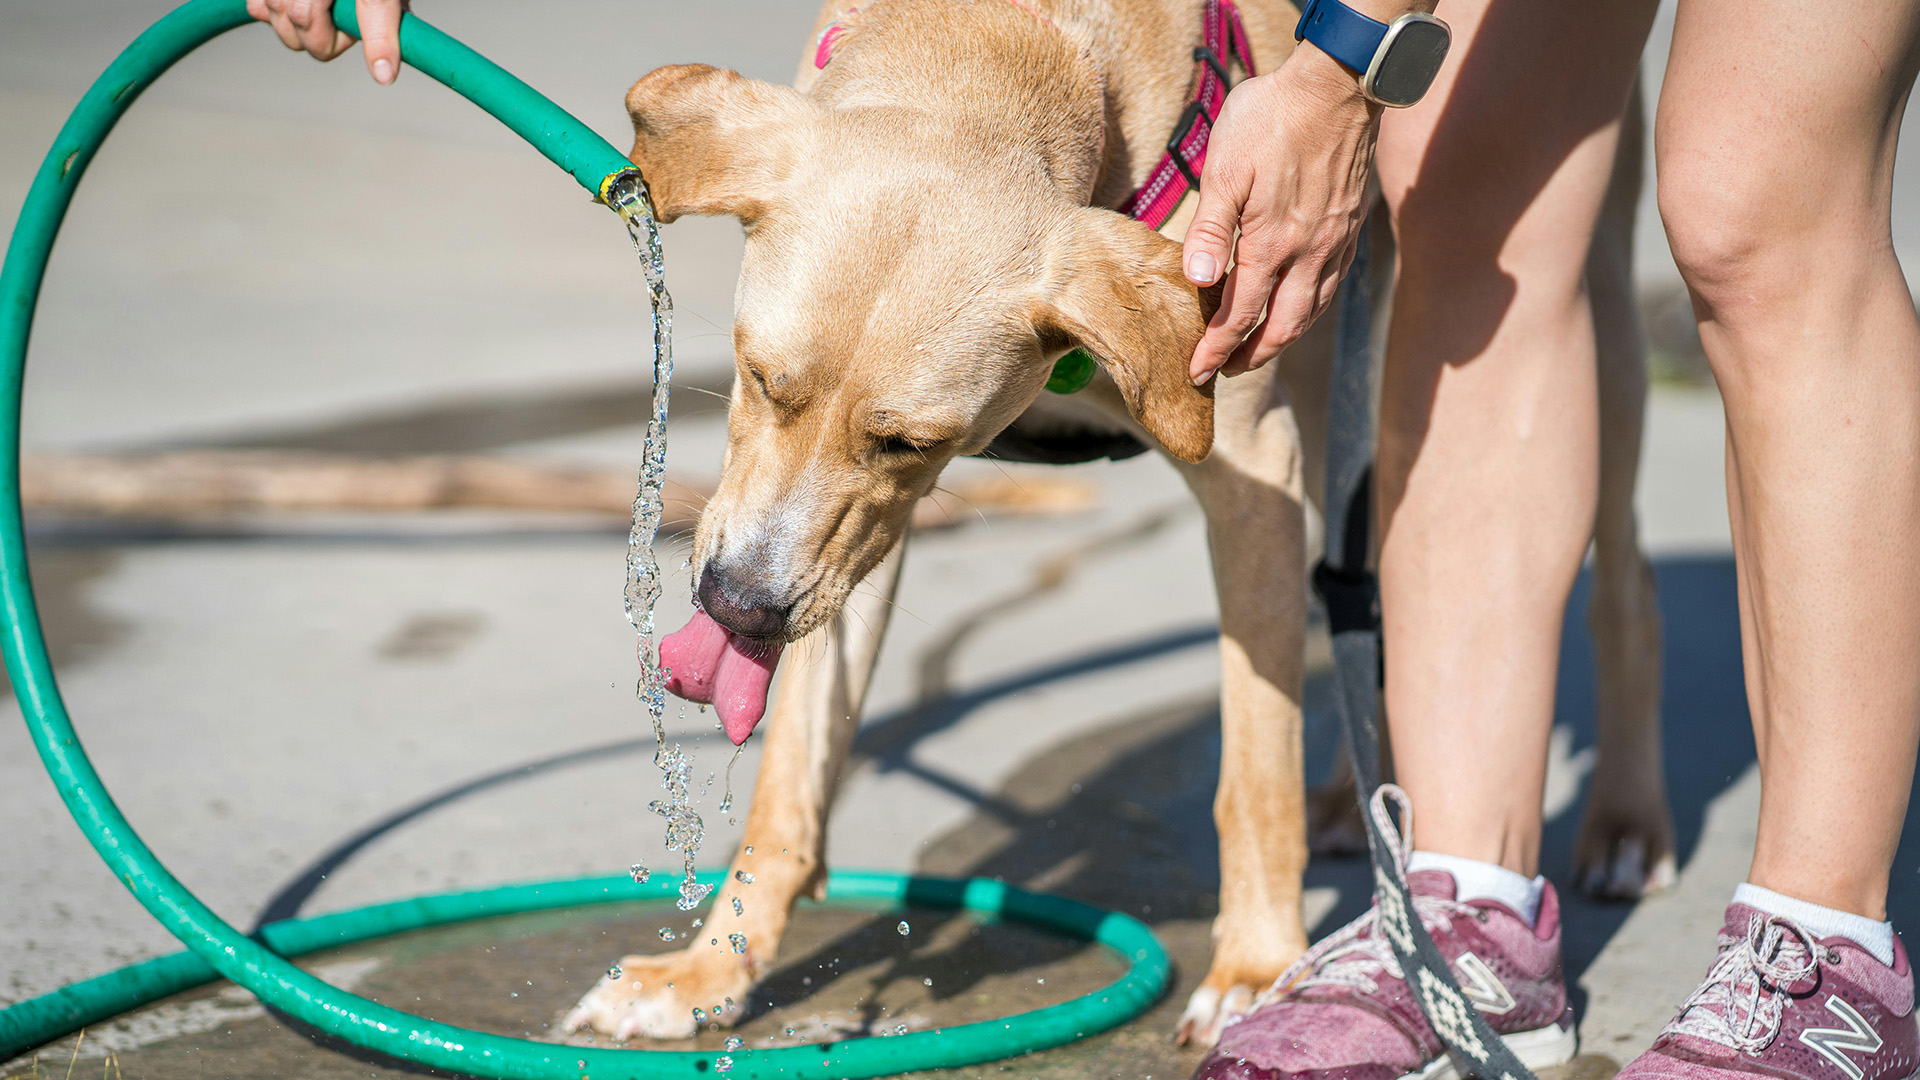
point(276, 253)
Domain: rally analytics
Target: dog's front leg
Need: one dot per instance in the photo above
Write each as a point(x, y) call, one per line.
point(1252, 493)
point(809, 731)
point(1625, 847)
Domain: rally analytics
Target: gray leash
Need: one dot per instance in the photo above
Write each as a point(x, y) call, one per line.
point(1352, 598)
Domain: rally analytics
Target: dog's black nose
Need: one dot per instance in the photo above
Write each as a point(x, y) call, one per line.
point(740, 606)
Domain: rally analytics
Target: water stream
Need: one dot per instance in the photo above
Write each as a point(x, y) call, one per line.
point(684, 827)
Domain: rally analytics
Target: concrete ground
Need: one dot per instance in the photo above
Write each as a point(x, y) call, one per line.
point(304, 713)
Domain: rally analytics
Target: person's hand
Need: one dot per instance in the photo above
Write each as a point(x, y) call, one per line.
point(1287, 168)
point(307, 26)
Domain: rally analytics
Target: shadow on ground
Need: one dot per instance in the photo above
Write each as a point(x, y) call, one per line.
point(1120, 817)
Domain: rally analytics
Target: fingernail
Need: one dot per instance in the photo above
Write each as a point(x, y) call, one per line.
point(1201, 379)
point(383, 71)
point(1201, 269)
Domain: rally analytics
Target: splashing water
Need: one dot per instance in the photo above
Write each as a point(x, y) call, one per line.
point(726, 801)
point(904, 928)
point(723, 1063)
point(685, 830)
point(735, 1042)
point(738, 941)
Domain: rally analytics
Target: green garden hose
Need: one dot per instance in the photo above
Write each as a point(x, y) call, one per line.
point(216, 948)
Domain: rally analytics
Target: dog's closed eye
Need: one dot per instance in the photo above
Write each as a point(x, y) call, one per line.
point(900, 444)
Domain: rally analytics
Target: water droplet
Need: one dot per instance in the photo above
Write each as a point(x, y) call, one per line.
point(698, 923)
point(738, 911)
point(749, 849)
point(903, 928)
point(699, 1016)
point(743, 877)
point(1042, 982)
point(926, 982)
point(691, 891)
point(639, 874)
point(713, 941)
point(738, 941)
point(734, 1042)
point(613, 972)
point(789, 1032)
point(666, 933)
point(723, 1063)
point(900, 1029)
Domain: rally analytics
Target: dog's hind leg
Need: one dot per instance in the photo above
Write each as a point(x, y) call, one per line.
point(1625, 846)
point(1252, 491)
point(814, 714)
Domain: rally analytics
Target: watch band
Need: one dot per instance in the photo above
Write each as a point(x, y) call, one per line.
point(1341, 32)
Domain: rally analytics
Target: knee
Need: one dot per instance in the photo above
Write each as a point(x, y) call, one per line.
point(1719, 228)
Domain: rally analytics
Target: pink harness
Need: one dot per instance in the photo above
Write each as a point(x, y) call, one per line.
point(1178, 170)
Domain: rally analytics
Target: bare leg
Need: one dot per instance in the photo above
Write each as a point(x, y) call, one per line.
point(816, 711)
point(1488, 448)
point(1776, 188)
point(1625, 848)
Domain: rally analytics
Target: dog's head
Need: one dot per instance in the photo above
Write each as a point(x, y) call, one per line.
point(904, 294)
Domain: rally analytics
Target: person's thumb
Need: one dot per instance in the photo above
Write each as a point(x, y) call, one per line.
point(380, 37)
point(1209, 240)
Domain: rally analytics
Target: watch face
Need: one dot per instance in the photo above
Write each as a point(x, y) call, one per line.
point(1408, 61)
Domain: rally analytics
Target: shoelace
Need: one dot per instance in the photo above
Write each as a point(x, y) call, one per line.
point(1740, 1003)
point(1354, 955)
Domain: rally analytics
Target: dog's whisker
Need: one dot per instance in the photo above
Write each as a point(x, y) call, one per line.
point(704, 390)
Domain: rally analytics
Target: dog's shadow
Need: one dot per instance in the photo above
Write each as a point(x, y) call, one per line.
point(1123, 817)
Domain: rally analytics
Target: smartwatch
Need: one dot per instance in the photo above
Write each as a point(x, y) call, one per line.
point(1396, 61)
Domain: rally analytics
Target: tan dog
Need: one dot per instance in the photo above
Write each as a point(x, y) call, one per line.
point(926, 235)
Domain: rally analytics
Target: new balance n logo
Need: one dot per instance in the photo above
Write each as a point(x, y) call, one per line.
point(1830, 1043)
point(1484, 988)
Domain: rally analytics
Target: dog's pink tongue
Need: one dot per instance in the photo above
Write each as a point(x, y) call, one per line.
point(691, 656)
point(740, 688)
point(711, 665)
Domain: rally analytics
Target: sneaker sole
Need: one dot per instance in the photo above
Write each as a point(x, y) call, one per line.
point(1537, 1049)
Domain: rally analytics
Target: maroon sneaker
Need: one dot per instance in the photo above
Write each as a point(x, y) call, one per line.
point(1344, 1010)
point(1780, 1003)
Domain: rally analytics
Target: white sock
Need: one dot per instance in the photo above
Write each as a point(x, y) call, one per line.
point(1476, 880)
point(1875, 937)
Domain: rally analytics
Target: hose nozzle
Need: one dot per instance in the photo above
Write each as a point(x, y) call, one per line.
point(625, 191)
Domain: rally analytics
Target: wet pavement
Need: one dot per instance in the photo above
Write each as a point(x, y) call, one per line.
point(304, 713)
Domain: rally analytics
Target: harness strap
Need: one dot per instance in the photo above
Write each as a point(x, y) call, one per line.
point(1224, 40)
point(1351, 595)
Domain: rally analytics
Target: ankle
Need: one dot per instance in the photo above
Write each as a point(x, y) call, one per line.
point(1477, 880)
point(1875, 936)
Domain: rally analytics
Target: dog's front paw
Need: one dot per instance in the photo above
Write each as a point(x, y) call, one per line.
point(1625, 848)
point(665, 997)
point(1212, 1004)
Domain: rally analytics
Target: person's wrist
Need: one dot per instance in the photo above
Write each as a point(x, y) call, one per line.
point(1329, 82)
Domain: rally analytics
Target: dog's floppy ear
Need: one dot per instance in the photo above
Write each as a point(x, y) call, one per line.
point(711, 141)
point(1119, 293)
